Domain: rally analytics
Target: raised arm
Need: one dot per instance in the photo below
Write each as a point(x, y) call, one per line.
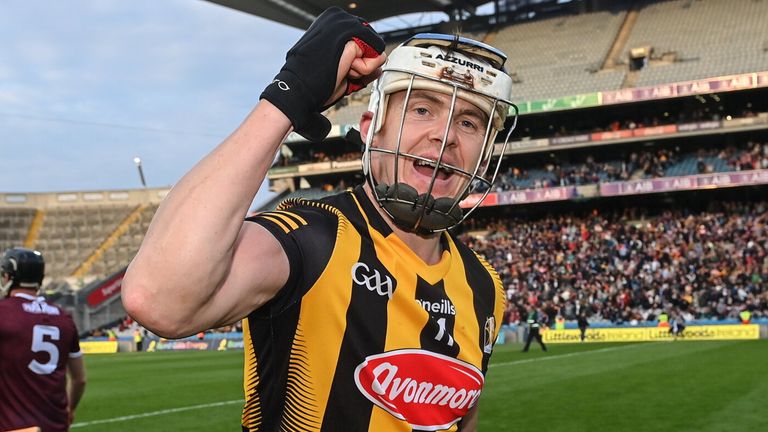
point(199, 265)
point(177, 283)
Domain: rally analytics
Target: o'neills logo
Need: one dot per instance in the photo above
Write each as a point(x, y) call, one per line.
point(429, 391)
point(459, 61)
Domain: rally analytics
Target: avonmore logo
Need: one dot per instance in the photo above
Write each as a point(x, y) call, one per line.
point(429, 391)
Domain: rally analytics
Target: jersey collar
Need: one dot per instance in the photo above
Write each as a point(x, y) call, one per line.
point(25, 296)
point(374, 217)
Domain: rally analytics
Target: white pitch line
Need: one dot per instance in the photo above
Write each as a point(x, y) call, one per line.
point(558, 357)
point(155, 413)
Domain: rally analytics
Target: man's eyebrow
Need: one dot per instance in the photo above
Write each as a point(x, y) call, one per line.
point(421, 94)
point(470, 110)
point(473, 111)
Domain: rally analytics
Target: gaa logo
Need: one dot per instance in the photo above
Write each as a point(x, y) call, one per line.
point(373, 280)
point(430, 391)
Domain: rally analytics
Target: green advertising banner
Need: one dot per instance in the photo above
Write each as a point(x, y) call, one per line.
point(284, 170)
point(566, 102)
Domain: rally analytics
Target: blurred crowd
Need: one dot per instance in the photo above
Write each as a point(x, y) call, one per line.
point(754, 157)
point(709, 265)
point(642, 164)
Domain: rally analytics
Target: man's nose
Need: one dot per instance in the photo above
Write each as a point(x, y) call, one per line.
point(437, 131)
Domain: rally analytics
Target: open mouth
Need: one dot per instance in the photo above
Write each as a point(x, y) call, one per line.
point(427, 168)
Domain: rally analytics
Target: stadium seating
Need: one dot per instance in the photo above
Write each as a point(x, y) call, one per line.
point(14, 226)
point(119, 254)
point(710, 38)
point(349, 114)
point(561, 56)
point(69, 235)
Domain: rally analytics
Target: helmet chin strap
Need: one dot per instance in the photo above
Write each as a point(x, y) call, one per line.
point(417, 213)
point(4, 287)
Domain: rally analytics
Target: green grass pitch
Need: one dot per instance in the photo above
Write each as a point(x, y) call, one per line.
point(679, 386)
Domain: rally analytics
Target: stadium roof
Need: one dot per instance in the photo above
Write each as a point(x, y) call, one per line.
point(301, 13)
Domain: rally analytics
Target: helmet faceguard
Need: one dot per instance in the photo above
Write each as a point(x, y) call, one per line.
point(25, 268)
point(462, 69)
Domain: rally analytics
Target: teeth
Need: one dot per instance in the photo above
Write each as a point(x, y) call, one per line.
point(432, 165)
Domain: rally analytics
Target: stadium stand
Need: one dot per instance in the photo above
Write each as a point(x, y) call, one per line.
point(84, 236)
point(700, 39)
point(348, 114)
point(69, 235)
point(549, 58)
point(584, 168)
point(15, 224)
point(562, 55)
point(125, 246)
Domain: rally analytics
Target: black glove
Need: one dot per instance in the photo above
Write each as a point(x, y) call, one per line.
point(308, 78)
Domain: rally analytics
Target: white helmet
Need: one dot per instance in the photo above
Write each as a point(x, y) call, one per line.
point(461, 68)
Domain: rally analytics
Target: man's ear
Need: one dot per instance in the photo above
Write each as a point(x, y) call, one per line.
point(365, 124)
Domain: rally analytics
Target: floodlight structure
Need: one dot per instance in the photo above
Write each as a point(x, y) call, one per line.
point(137, 161)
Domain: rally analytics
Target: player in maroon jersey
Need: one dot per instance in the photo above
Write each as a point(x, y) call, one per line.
point(39, 346)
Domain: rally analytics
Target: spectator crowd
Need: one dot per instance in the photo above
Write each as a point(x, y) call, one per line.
point(619, 269)
point(642, 164)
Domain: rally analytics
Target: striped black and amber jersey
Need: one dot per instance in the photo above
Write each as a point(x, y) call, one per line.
point(365, 336)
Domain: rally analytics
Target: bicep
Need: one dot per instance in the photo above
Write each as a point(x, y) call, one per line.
point(258, 269)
